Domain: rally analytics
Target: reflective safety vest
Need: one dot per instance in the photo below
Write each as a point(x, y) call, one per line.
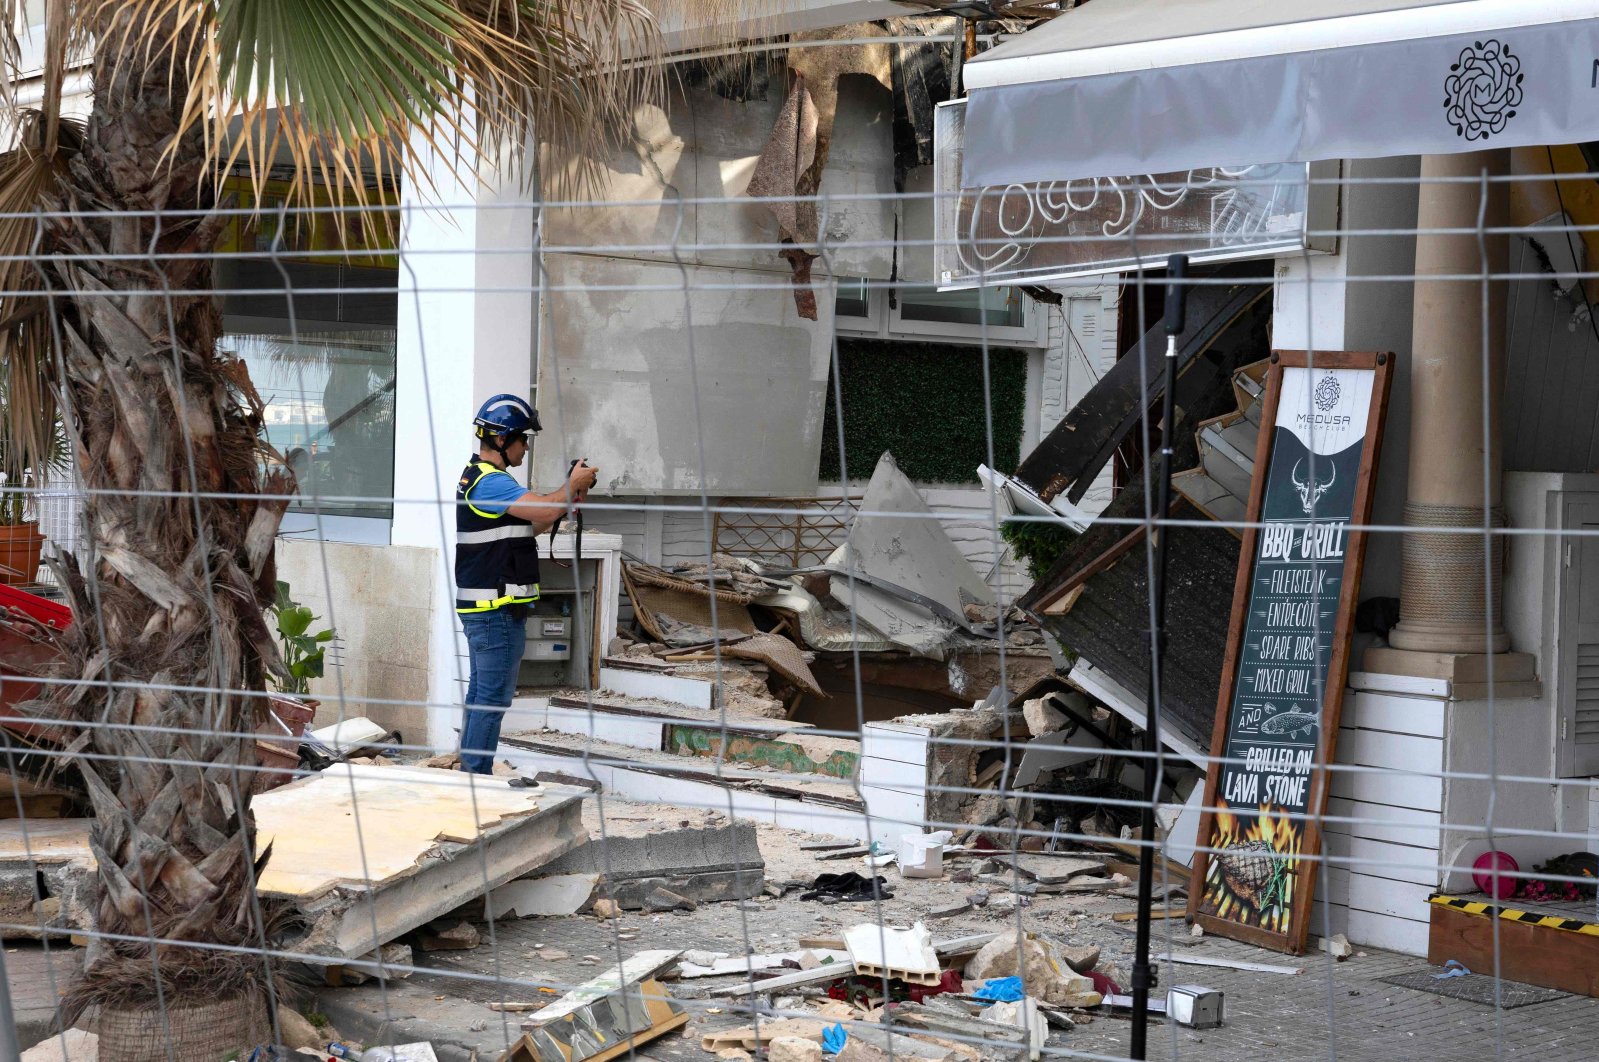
point(496, 555)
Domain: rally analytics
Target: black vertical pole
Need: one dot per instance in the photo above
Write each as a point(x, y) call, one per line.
point(1176, 299)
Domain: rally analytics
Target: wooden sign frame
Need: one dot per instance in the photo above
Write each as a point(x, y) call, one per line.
point(1305, 863)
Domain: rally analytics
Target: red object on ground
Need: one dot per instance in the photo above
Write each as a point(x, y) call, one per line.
point(1104, 985)
point(1500, 886)
point(950, 982)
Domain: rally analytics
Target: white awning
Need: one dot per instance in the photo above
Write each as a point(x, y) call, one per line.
point(1154, 86)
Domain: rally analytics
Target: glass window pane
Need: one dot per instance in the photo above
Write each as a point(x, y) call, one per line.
point(330, 411)
point(854, 298)
point(995, 307)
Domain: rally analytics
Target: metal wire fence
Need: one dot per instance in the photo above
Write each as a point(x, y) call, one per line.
point(837, 693)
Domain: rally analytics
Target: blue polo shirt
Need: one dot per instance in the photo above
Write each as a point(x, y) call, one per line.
point(495, 492)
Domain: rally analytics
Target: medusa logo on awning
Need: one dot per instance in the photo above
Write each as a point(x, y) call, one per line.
point(1483, 90)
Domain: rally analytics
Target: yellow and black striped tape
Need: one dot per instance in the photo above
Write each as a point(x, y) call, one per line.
point(1531, 918)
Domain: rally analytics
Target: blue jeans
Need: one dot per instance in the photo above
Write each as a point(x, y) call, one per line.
point(496, 641)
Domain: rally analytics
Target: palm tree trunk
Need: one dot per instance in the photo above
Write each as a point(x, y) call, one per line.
point(168, 639)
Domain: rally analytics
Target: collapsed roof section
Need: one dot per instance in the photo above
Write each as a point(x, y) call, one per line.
point(1095, 601)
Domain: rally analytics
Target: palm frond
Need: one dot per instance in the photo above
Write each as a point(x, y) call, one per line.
point(28, 176)
point(348, 94)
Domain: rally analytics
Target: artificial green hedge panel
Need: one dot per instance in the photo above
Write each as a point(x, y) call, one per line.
point(923, 402)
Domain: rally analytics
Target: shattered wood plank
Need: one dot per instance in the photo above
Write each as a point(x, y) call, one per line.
point(1072, 454)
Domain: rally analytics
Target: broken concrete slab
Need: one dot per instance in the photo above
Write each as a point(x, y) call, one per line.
point(697, 864)
point(793, 1049)
point(1052, 869)
point(46, 877)
point(744, 964)
point(1023, 1014)
point(365, 854)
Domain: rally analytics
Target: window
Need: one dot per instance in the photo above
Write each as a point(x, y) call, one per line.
point(329, 399)
point(317, 328)
point(998, 314)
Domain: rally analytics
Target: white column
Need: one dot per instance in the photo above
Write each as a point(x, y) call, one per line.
point(465, 332)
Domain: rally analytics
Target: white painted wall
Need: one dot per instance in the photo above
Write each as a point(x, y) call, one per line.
point(379, 600)
point(465, 332)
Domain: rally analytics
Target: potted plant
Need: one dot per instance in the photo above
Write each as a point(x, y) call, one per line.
point(304, 653)
point(304, 650)
point(28, 460)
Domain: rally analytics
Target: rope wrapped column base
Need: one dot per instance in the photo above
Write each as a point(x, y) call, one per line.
point(1443, 601)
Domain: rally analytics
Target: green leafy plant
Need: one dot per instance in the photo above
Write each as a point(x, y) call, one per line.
point(923, 402)
point(304, 650)
point(1037, 544)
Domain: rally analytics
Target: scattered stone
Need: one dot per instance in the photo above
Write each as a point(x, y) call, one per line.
point(661, 899)
point(462, 936)
point(604, 909)
point(1196, 930)
point(793, 1049)
point(590, 960)
point(296, 1031)
point(702, 958)
point(950, 910)
point(978, 899)
point(1337, 946)
point(856, 1050)
point(1081, 958)
point(729, 1054)
point(1042, 966)
point(1042, 717)
point(72, 1045)
point(984, 810)
point(553, 954)
point(964, 876)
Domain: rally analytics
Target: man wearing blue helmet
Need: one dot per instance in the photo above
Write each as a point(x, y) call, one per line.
point(497, 523)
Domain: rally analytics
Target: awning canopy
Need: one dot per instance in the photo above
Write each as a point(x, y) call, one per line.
point(1122, 87)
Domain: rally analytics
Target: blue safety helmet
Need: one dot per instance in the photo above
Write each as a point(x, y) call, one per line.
point(506, 415)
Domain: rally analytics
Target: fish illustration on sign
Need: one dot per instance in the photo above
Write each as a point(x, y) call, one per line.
point(1289, 722)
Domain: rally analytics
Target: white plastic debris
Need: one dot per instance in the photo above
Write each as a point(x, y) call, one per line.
point(921, 855)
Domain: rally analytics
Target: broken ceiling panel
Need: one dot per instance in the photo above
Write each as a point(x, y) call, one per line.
point(364, 854)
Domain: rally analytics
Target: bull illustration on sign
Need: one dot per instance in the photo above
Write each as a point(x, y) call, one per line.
point(1310, 492)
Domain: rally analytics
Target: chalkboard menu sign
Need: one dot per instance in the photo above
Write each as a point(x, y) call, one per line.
point(1288, 646)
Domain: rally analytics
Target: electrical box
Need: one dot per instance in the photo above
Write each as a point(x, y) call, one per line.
point(546, 627)
point(548, 649)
